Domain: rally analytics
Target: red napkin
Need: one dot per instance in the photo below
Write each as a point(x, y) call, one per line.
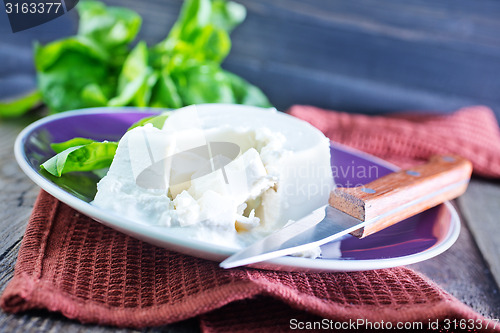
point(403, 138)
point(73, 265)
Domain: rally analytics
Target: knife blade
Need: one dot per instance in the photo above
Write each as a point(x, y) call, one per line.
point(364, 210)
point(320, 227)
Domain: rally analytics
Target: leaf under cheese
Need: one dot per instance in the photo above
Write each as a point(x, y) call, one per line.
point(88, 157)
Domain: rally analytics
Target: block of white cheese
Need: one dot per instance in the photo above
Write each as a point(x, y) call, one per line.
point(233, 168)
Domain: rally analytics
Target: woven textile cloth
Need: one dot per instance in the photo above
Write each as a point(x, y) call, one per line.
point(403, 138)
point(73, 265)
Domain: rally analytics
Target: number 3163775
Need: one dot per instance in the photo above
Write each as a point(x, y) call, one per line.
point(32, 7)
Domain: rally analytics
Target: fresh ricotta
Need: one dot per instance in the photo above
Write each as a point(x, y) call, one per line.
point(230, 173)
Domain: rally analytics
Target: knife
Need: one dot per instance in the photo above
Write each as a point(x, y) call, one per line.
point(364, 210)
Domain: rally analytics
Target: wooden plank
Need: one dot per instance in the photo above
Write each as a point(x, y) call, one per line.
point(368, 56)
point(361, 58)
point(17, 71)
point(480, 206)
point(462, 272)
point(18, 193)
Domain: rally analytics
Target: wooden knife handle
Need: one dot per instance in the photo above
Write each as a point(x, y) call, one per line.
point(402, 194)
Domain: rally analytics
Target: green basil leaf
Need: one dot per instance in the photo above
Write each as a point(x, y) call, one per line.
point(128, 93)
point(21, 105)
point(136, 79)
point(143, 95)
point(247, 93)
point(66, 69)
point(204, 84)
point(227, 14)
point(157, 121)
point(62, 146)
point(111, 27)
point(92, 156)
point(195, 14)
point(212, 44)
point(201, 32)
point(164, 94)
point(96, 68)
point(48, 55)
point(94, 95)
point(135, 65)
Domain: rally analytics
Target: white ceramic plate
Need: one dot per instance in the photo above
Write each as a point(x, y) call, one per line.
point(413, 240)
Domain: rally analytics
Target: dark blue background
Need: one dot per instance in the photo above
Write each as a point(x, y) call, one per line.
point(365, 56)
point(23, 15)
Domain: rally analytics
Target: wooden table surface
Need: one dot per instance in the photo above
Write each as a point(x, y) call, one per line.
point(356, 56)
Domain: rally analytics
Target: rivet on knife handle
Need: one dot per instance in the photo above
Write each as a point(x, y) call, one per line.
point(411, 191)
